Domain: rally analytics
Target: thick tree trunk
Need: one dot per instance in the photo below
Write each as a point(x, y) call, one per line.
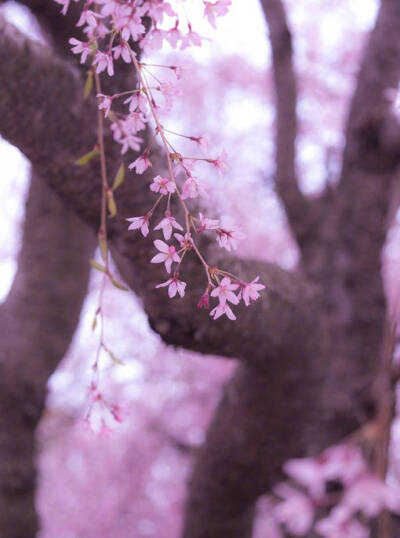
point(37, 322)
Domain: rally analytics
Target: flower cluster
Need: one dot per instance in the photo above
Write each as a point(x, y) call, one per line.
point(221, 284)
point(112, 27)
point(359, 493)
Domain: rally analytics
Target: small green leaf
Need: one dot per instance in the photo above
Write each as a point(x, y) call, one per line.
point(94, 323)
point(88, 85)
point(119, 177)
point(118, 285)
point(86, 158)
point(97, 266)
point(103, 247)
point(112, 206)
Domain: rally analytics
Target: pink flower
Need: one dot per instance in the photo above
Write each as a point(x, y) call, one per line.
point(156, 10)
point(125, 134)
point(166, 255)
point(65, 4)
point(219, 310)
point(193, 188)
point(342, 462)
point(220, 162)
point(163, 185)
point(225, 290)
point(134, 29)
point(104, 103)
point(174, 286)
point(250, 291)
point(137, 101)
point(122, 50)
point(309, 473)
point(103, 61)
point(216, 9)
point(228, 238)
point(185, 241)
point(88, 17)
point(191, 38)
point(166, 225)
point(140, 222)
point(339, 524)
point(207, 224)
point(173, 35)
point(141, 164)
point(296, 511)
point(80, 47)
point(370, 495)
point(116, 413)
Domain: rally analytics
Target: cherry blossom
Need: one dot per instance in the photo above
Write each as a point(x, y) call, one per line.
point(250, 290)
point(216, 9)
point(123, 134)
point(110, 25)
point(166, 255)
point(225, 290)
point(65, 4)
point(221, 309)
point(185, 241)
point(228, 238)
point(141, 164)
point(157, 10)
point(163, 185)
point(221, 162)
point(191, 38)
point(105, 102)
point(309, 473)
point(137, 101)
point(370, 495)
point(166, 225)
point(173, 35)
point(192, 188)
point(80, 47)
point(339, 525)
point(140, 222)
point(296, 511)
point(207, 224)
point(103, 61)
point(88, 17)
point(174, 286)
point(122, 50)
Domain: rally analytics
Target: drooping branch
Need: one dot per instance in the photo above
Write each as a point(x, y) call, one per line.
point(37, 322)
point(62, 130)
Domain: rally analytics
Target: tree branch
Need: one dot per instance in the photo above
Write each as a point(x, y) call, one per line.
point(37, 322)
point(299, 210)
point(61, 131)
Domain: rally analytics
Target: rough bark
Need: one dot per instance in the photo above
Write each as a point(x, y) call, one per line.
point(37, 322)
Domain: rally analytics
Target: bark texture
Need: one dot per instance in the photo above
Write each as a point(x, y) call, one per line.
point(37, 322)
point(308, 352)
